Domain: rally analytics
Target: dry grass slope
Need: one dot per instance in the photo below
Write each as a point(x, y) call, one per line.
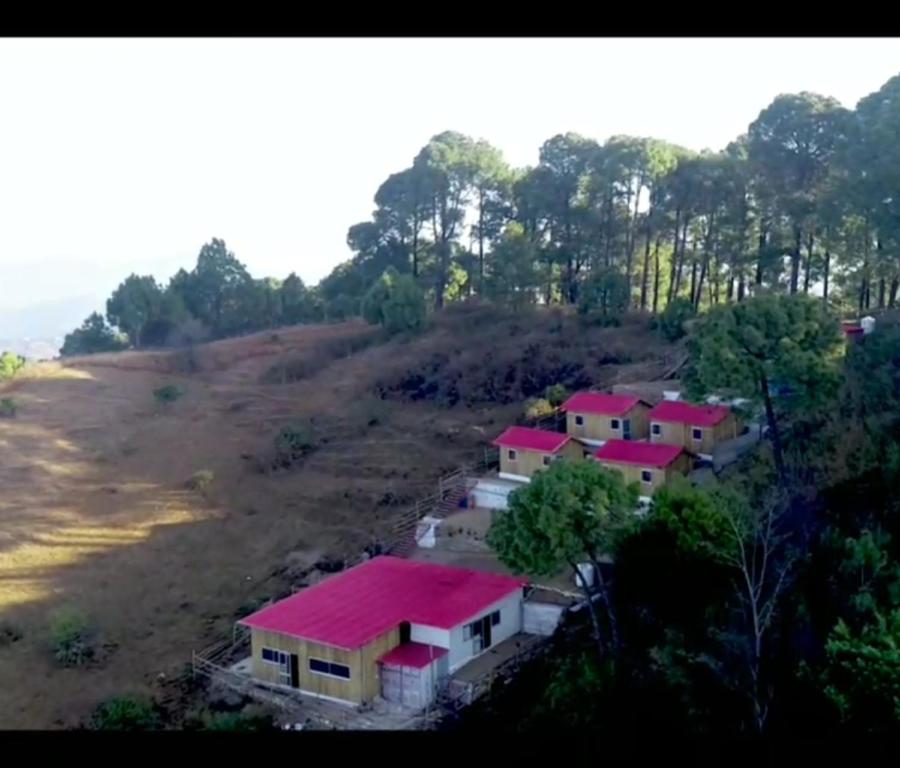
point(95, 512)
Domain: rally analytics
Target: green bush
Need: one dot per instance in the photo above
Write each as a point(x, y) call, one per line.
point(167, 394)
point(538, 408)
point(94, 335)
point(9, 634)
point(200, 480)
point(10, 365)
point(395, 302)
point(125, 714)
point(672, 319)
point(294, 440)
point(70, 634)
point(556, 394)
point(8, 408)
point(239, 721)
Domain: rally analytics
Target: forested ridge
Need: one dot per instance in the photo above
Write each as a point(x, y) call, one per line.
point(805, 201)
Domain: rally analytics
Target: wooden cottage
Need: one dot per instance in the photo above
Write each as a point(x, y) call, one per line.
point(593, 417)
point(524, 451)
point(388, 627)
point(650, 465)
point(697, 428)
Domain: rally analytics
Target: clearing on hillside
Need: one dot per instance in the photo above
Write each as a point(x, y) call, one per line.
point(99, 513)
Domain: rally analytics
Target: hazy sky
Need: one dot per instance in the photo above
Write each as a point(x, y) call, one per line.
point(127, 155)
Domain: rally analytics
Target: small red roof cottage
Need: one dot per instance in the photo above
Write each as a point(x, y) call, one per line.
point(652, 465)
point(594, 417)
point(698, 428)
point(524, 451)
point(389, 627)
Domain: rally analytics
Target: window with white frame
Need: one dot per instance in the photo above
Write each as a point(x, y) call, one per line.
point(697, 433)
point(579, 421)
point(329, 668)
point(511, 454)
point(614, 424)
point(646, 476)
point(281, 660)
point(656, 429)
point(547, 460)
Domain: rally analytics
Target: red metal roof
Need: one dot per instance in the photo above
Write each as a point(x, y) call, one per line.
point(642, 454)
point(353, 607)
point(600, 404)
point(528, 439)
point(415, 655)
point(685, 413)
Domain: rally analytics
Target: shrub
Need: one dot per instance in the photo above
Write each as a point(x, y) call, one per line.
point(8, 408)
point(672, 319)
point(10, 365)
point(167, 394)
point(200, 480)
point(556, 394)
point(293, 442)
point(249, 720)
point(69, 631)
point(125, 714)
point(395, 302)
point(93, 336)
point(9, 634)
point(538, 408)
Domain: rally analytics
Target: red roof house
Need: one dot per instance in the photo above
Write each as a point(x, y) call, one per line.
point(698, 428)
point(594, 417)
point(652, 465)
point(524, 451)
point(336, 638)
point(640, 454)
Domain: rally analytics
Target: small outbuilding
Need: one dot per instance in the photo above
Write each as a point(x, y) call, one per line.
point(652, 465)
point(524, 451)
point(594, 417)
point(697, 428)
point(389, 626)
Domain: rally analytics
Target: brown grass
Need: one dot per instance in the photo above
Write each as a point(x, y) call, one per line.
point(94, 512)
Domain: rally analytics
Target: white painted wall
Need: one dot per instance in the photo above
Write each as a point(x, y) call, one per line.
point(493, 495)
point(541, 618)
point(510, 609)
point(420, 633)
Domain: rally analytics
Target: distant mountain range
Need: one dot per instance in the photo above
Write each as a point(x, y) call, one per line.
point(37, 331)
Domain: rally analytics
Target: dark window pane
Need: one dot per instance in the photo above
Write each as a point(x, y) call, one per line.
point(579, 420)
point(646, 476)
point(339, 670)
point(495, 618)
point(317, 665)
point(614, 423)
point(476, 628)
point(269, 655)
point(698, 434)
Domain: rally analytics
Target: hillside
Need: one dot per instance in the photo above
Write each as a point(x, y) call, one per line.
point(96, 514)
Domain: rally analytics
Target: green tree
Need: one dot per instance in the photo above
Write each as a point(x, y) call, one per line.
point(791, 145)
point(10, 365)
point(511, 276)
point(741, 350)
point(296, 301)
point(569, 514)
point(93, 336)
point(604, 295)
point(447, 167)
point(211, 291)
point(395, 302)
point(134, 305)
point(861, 673)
